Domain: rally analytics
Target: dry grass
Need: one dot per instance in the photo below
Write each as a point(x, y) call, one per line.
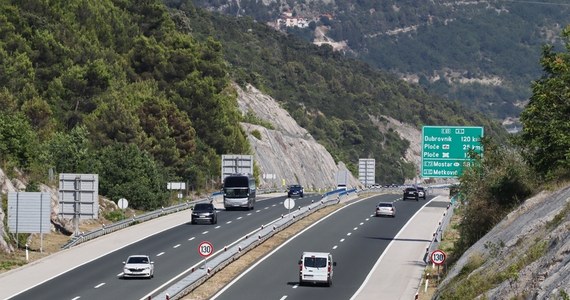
point(436, 274)
point(227, 274)
point(39, 247)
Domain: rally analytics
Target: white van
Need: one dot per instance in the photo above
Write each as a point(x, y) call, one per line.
point(316, 267)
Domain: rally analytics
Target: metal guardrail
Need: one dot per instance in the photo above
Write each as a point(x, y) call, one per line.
point(212, 265)
point(438, 234)
point(105, 229)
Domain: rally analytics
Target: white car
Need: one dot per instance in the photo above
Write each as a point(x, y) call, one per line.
point(386, 209)
point(138, 266)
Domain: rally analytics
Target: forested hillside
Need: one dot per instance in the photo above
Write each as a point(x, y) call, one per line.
point(111, 87)
point(341, 101)
point(482, 53)
point(140, 94)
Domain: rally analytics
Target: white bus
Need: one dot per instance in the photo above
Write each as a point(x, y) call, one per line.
point(239, 191)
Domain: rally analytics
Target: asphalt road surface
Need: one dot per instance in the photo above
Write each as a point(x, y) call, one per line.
point(356, 240)
point(174, 252)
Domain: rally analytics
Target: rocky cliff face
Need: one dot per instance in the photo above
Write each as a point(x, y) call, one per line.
point(288, 153)
point(526, 256)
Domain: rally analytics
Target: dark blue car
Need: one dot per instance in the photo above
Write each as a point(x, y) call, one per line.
point(295, 190)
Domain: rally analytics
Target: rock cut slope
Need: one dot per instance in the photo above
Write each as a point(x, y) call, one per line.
point(287, 152)
point(526, 256)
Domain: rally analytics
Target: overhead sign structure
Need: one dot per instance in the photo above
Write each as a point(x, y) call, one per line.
point(205, 249)
point(233, 164)
point(367, 171)
point(445, 149)
point(438, 257)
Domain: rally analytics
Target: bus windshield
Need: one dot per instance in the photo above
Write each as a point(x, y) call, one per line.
point(236, 192)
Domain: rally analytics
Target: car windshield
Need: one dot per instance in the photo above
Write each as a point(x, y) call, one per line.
point(315, 262)
point(385, 205)
point(137, 260)
point(410, 190)
point(420, 188)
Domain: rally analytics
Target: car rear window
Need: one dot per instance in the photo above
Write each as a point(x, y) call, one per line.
point(315, 262)
point(385, 205)
point(203, 206)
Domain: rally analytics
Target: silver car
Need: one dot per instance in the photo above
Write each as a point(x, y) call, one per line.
point(138, 266)
point(386, 209)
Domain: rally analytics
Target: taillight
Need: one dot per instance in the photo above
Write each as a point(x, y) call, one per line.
point(329, 269)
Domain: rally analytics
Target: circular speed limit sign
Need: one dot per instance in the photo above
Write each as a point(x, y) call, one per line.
point(438, 257)
point(205, 249)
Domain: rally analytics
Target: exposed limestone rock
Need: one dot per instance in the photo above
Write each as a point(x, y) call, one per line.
point(287, 154)
point(5, 187)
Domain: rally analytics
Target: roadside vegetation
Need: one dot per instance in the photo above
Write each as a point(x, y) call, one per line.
point(499, 181)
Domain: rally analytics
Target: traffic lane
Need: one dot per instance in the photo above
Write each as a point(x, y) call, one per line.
point(404, 283)
point(354, 237)
point(174, 251)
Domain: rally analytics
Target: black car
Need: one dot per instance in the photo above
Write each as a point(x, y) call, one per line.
point(411, 193)
point(204, 212)
point(295, 190)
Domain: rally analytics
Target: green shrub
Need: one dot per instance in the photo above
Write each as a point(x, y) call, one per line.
point(256, 134)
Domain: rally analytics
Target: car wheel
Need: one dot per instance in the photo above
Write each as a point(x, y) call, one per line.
point(329, 282)
point(300, 281)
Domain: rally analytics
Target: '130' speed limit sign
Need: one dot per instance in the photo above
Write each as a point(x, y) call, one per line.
point(438, 257)
point(205, 249)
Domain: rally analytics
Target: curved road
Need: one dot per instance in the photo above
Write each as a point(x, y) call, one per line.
point(356, 240)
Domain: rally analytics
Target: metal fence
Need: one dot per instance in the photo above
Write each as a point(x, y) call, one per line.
point(438, 234)
point(105, 229)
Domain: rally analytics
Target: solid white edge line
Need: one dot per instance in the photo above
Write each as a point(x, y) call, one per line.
point(386, 250)
point(282, 245)
point(94, 259)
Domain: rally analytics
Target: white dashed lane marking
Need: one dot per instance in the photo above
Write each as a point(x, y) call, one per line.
point(176, 246)
point(100, 285)
point(159, 254)
point(191, 238)
point(341, 240)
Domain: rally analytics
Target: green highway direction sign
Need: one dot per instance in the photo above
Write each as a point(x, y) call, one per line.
point(445, 149)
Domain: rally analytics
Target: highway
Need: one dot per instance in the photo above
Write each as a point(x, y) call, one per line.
point(174, 252)
point(352, 234)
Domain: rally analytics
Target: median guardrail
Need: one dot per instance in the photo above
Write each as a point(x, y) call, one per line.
point(229, 254)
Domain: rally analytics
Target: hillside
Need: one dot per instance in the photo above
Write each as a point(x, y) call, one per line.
point(346, 105)
point(482, 53)
point(525, 256)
